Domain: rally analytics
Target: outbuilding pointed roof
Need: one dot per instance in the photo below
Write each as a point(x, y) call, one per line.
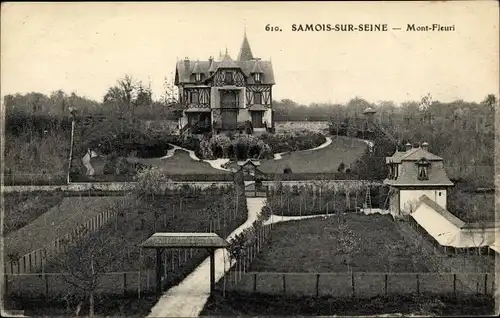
point(245, 50)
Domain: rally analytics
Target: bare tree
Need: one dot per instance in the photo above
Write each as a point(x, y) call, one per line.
point(320, 184)
point(478, 237)
point(149, 182)
point(170, 92)
point(87, 262)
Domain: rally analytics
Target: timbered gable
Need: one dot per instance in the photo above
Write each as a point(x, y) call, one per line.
point(258, 95)
point(225, 77)
point(197, 97)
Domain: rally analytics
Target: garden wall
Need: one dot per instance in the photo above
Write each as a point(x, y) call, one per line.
point(317, 126)
point(110, 186)
point(173, 125)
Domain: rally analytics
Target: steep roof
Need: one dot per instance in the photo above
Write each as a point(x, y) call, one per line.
point(413, 154)
point(396, 157)
point(256, 68)
point(416, 154)
point(227, 62)
point(197, 69)
point(409, 176)
point(245, 51)
point(183, 73)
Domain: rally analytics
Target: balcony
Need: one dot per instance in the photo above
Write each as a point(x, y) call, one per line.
point(230, 104)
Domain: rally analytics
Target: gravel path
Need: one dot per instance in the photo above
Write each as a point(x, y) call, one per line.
point(189, 297)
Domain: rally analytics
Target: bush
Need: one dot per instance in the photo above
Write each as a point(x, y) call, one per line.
point(286, 142)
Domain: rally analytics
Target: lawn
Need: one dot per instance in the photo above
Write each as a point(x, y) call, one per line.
point(177, 211)
point(58, 220)
point(471, 206)
point(180, 163)
point(140, 218)
point(22, 208)
point(313, 246)
point(328, 159)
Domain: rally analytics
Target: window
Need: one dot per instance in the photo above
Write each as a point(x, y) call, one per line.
point(198, 77)
point(257, 98)
point(395, 175)
point(257, 77)
point(423, 173)
point(439, 193)
point(228, 78)
point(194, 97)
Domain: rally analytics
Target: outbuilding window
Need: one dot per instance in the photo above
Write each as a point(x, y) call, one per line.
point(423, 169)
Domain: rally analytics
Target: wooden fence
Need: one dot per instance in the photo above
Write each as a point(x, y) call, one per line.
point(52, 285)
point(36, 260)
point(362, 284)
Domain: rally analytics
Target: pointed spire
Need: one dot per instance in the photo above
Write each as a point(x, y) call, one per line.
point(245, 50)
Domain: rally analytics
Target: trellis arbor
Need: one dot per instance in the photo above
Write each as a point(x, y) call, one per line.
point(162, 241)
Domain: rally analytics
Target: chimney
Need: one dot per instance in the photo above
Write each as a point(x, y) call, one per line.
point(425, 146)
point(210, 61)
point(186, 63)
point(408, 146)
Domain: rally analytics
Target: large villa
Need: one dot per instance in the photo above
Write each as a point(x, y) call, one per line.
point(225, 94)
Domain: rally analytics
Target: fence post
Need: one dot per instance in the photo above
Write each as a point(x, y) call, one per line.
point(6, 285)
point(454, 284)
point(255, 282)
point(124, 283)
point(352, 285)
point(284, 284)
point(46, 284)
point(385, 284)
point(486, 283)
point(317, 285)
point(418, 284)
point(138, 284)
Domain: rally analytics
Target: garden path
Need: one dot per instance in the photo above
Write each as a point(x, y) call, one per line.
point(189, 297)
point(284, 218)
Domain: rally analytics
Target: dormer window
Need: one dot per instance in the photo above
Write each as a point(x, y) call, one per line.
point(193, 97)
point(256, 77)
point(228, 78)
point(393, 171)
point(198, 77)
point(257, 98)
point(423, 169)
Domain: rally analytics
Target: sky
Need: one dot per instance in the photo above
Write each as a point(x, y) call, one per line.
point(86, 47)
